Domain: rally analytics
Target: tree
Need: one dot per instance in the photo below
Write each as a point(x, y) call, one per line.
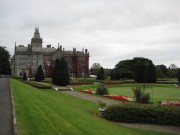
point(39, 74)
point(61, 73)
point(100, 75)
point(150, 73)
point(57, 64)
point(95, 68)
point(4, 61)
point(24, 76)
point(178, 76)
point(140, 65)
point(124, 69)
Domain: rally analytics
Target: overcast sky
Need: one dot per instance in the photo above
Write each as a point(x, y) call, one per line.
point(112, 30)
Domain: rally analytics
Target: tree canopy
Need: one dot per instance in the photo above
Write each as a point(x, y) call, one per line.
point(61, 74)
point(39, 74)
point(140, 69)
point(95, 68)
point(100, 75)
point(4, 61)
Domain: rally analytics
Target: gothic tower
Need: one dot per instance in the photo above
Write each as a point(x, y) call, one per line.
point(36, 41)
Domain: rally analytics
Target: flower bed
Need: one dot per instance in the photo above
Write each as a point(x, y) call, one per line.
point(87, 91)
point(119, 97)
point(175, 103)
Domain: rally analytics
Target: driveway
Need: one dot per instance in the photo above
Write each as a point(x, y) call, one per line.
point(6, 118)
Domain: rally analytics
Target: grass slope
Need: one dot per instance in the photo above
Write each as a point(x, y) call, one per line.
point(47, 112)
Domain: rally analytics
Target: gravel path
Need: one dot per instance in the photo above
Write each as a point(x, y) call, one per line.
point(158, 128)
point(90, 98)
point(6, 120)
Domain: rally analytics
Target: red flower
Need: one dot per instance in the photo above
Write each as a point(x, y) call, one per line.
point(87, 91)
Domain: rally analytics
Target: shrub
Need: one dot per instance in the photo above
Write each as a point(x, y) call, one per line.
point(144, 114)
point(101, 89)
point(140, 95)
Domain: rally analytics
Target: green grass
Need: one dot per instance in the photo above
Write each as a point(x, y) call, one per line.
point(47, 112)
point(158, 92)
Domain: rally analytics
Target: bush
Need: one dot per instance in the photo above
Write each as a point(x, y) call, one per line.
point(140, 95)
point(101, 89)
point(144, 114)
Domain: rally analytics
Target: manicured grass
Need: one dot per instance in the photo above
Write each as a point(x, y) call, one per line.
point(158, 92)
point(47, 112)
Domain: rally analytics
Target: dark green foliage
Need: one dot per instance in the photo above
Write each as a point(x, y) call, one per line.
point(39, 74)
point(144, 114)
point(100, 75)
point(150, 73)
point(140, 65)
point(24, 76)
point(178, 76)
point(162, 71)
point(95, 69)
point(57, 64)
point(140, 95)
point(124, 70)
point(61, 73)
point(4, 61)
point(101, 89)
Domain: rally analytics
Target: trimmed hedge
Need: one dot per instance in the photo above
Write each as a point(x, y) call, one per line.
point(37, 85)
point(162, 115)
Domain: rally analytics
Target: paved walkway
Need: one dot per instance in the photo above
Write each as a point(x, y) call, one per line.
point(6, 120)
point(158, 128)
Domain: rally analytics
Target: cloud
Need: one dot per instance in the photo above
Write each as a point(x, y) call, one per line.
point(110, 30)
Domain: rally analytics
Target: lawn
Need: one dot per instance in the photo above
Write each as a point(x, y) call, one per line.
point(48, 112)
point(158, 92)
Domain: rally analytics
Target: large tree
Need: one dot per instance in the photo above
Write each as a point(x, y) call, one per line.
point(124, 69)
point(4, 61)
point(61, 73)
point(140, 64)
point(95, 68)
point(39, 74)
point(150, 73)
point(100, 75)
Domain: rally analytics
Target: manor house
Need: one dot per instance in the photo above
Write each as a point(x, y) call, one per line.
point(28, 58)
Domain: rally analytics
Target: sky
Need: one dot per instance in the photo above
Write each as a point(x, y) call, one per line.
point(111, 30)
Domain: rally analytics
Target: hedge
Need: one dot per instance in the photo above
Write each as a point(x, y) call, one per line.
point(162, 115)
point(37, 85)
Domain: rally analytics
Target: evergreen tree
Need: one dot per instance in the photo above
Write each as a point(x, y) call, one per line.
point(54, 80)
point(150, 73)
point(100, 75)
point(39, 74)
point(24, 76)
point(61, 74)
point(4, 61)
point(178, 75)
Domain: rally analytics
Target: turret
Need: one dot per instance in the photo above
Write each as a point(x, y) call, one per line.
point(36, 41)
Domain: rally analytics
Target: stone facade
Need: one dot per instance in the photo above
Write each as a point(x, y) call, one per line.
point(28, 58)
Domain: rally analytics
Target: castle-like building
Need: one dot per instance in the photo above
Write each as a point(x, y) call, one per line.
point(28, 58)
